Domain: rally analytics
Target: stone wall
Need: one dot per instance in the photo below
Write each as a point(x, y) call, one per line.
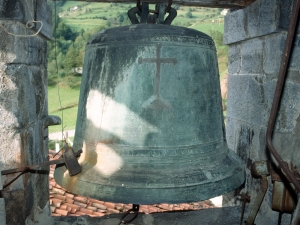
point(24, 107)
point(256, 37)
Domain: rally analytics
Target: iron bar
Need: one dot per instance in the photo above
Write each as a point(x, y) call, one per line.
point(37, 166)
point(246, 199)
point(278, 92)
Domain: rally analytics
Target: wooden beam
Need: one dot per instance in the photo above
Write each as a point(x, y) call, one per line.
point(202, 3)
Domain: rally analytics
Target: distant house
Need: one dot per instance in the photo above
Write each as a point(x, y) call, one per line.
point(74, 8)
point(224, 12)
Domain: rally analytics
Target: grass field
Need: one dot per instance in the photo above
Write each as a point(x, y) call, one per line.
point(90, 15)
point(63, 98)
point(87, 14)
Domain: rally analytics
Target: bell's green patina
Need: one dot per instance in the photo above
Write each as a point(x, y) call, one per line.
point(150, 119)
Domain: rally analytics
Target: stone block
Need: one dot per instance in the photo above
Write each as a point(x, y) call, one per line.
point(272, 54)
point(252, 56)
point(22, 50)
point(44, 14)
point(249, 98)
point(23, 105)
point(234, 27)
point(294, 61)
point(14, 10)
point(289, 111)
point(15, 207)
point(234, 59)
point(25, 11)
point(246, 139)
point(285, 14)
point(262, 18)
point(249, 103)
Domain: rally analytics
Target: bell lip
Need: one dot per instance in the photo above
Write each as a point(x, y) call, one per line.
point(133, 195)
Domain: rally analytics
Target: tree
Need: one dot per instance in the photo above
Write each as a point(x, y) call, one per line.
point(65, 31)
point(189, 14)
point(121, 18)
point(70, 59)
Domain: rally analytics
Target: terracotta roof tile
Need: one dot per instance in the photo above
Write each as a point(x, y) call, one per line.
point(81, 199)
point(83, 205)
point(64, 203)
point(61, 212)
point(99, 206)
point(98, 214)
point(101, 210)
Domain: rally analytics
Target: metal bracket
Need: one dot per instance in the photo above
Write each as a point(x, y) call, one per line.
point(260, 169)
point(134, 212)
point(246, 199)
point(157, 15)
point(71, 161)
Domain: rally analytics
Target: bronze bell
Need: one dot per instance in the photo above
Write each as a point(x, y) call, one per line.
point(150, 119)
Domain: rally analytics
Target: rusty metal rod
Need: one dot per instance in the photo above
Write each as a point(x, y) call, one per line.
point(278, 92)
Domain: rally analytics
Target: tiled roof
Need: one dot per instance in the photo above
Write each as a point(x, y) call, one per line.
point(64, 203)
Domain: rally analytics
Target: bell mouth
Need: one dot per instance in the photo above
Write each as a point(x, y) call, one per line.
point(154, 176)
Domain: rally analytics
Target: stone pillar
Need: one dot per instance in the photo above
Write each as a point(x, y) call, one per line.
point(256, 37)
point(24, 108)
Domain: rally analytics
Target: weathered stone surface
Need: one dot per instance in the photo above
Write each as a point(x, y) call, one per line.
point(260, 18)
point(286, 9)
point(44, 14)
point(23, 105)
point(23, 108)
point(251, 91)
point(273, 49)
point(234, 59)
point(235, 27)
point(23, 50)
point(251, 57)
point(15, 207)
point(249, 98)
point(14, 10)
point(25, 11)
point(294, 63)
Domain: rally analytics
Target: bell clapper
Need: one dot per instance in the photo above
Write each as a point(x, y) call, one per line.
point(134, 212)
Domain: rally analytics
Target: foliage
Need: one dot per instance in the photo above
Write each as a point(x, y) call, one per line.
point(66, 51)
point(217, 36)
point(189, 14)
